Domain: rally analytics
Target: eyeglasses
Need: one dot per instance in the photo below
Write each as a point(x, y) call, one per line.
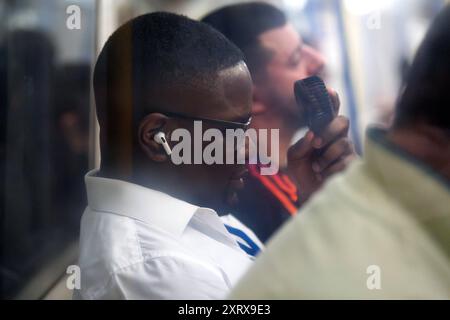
point(223, 123)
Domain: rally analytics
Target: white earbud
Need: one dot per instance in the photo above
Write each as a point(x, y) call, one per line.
point(160, 138)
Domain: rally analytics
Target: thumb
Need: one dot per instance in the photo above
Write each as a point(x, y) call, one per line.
point(334, 99)
point(301, 148)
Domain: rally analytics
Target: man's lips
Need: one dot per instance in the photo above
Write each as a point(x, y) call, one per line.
point(239, 174)
point(237, 179)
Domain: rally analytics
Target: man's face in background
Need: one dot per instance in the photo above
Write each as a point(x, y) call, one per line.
point(291, 60)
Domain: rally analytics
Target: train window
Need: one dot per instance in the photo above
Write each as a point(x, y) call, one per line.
point(45, 69)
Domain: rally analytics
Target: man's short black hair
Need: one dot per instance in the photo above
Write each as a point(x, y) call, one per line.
point(426, 97)
point(243, 24)
point(149, 53)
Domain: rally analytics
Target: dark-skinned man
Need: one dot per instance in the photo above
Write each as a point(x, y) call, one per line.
point(277, 56)
point(152, 229)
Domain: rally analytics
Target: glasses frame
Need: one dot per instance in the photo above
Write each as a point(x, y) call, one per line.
point(224, 123)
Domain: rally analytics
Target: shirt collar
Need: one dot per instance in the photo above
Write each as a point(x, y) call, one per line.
point(138, 202)
point(414, 184)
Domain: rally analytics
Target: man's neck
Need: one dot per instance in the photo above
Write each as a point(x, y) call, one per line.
point(137, 176)
point(426, 143)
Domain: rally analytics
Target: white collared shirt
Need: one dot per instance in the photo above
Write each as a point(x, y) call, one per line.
point(138, 243)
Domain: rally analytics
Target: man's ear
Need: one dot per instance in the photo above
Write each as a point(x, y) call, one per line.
point(148, 127)
point(258, 106)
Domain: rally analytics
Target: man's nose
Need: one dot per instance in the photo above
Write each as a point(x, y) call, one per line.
point(316, 61)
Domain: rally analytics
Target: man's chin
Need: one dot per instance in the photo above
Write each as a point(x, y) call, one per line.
point(295, 117)
point(234, 186)
point(232, 199)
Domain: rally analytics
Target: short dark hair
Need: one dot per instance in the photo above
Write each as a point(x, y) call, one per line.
point(148, 53)
point(426, 96)
point(243, 24)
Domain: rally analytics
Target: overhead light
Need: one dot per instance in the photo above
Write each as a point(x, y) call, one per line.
point(362, 7)
point(295, 4)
